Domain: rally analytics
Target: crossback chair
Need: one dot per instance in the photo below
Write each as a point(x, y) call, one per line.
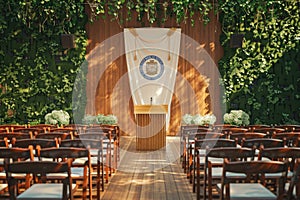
point(79, 171)
point(39, 170)
point(249, 189)
point(213, 171)
point(199, 157)
point(97, 159)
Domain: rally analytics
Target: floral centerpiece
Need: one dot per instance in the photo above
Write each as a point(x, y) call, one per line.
point(100, 119)
point(58, 117)
point(208, 119)
point(236, 117)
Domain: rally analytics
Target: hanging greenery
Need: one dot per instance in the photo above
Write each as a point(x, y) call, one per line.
point(154, 11)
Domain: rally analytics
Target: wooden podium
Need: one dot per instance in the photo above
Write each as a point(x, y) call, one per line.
point(150, 126)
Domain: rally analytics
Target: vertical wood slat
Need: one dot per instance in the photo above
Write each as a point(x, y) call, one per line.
point(149, 139)
point(103, 29)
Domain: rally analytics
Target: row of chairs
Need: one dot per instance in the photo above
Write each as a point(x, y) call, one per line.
point(47, 165)
point(289, 138)
point(196, 149)
point(90, 138)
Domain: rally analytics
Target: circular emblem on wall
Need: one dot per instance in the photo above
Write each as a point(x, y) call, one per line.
point(151, 67)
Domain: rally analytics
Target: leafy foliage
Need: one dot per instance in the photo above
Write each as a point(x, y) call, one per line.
point(36, 74)
point(263, 76)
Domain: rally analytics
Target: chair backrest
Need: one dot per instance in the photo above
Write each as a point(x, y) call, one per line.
point(207, 135)
point(16, 154)
point(289, 154)
point(253, 167)
point(270, 130)
point(43, 143)
point(290, 137)
point(52, 135)
point(63, 153)
point(17, 135)
point(262, 142)
point(94, 135)
point(39, 169)
point(254, 127)
point(33, 131)
point(246, 135)
point(214, 143)
point(289, 128)
point(82, 143)
point(231, 153)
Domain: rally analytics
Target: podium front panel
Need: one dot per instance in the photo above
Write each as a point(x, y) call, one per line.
point(150, 137)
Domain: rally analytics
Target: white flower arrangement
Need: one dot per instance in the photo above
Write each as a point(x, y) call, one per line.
point(100, 119)
point(57, 117)
point(236, 117)
point(208, 119)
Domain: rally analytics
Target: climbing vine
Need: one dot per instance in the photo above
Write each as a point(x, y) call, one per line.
point(262, 76)
point(36, 74)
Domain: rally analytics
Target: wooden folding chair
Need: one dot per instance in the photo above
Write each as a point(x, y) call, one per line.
point(249, 189)
point(213, 171)
point(15, 155)
point(40, 170)
point(293, 188)
point(79, 171)
point(201, 146)
point(108, 148)
point(97, 159)
point(189, 145)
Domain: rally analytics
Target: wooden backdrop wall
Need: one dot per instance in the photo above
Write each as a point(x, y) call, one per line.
point(110, 93)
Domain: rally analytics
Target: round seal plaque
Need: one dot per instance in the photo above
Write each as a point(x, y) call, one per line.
point(151, 67)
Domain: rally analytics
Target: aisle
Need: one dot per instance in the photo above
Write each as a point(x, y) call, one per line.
point(149, 175)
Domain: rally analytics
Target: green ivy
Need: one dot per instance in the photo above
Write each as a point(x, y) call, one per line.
point(262, 76)
point(36, 74)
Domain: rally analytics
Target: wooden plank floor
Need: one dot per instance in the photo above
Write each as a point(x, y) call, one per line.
point(149, 175)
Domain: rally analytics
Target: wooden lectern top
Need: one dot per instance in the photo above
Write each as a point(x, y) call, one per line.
point(150, 109)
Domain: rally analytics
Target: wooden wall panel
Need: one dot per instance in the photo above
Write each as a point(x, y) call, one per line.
point(112, 90)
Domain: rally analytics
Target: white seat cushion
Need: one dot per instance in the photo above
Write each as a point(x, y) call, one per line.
point(48, 191)
point(244, 191)
point(3, 186)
